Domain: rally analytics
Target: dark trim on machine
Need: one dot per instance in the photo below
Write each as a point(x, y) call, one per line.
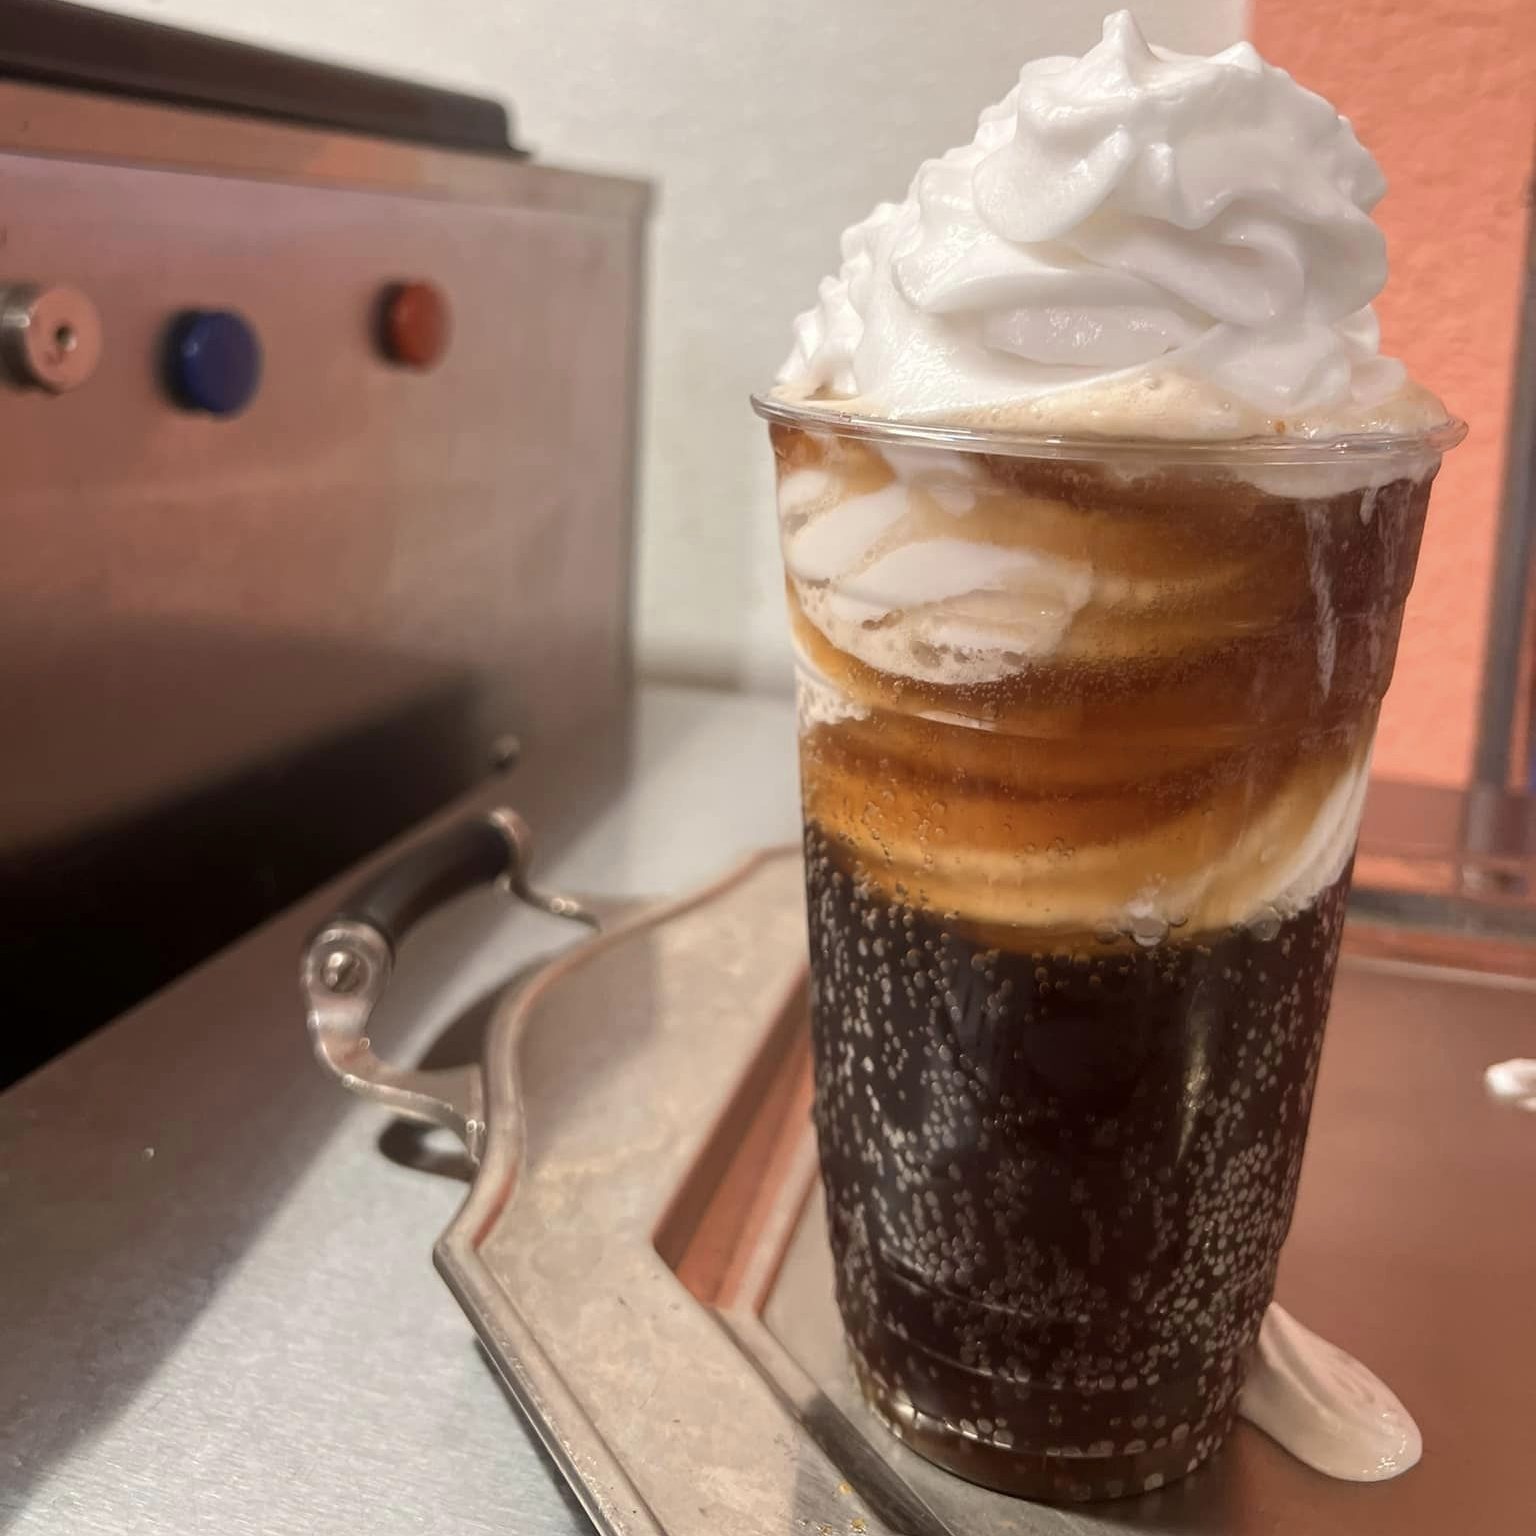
point(53, 43)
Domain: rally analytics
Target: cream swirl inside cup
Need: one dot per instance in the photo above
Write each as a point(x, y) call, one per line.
point(1136, 241)
point(1124, 683)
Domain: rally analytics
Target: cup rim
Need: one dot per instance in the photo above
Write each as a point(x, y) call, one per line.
point(1087, 447)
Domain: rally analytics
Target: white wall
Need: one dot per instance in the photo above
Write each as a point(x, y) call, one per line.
point(768, 125)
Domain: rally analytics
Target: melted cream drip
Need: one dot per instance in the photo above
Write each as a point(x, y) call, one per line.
point(1513, 1082)
point(1324, 1407)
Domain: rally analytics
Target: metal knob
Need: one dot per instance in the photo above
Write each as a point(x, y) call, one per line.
point(50, 337)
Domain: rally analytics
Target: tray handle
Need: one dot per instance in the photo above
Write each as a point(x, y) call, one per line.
point(347, 964)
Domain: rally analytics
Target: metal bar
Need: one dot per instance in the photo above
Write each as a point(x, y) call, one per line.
point(1504, 658)
point(80, 125)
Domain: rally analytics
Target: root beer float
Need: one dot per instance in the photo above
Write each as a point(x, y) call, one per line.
point(1099, 509)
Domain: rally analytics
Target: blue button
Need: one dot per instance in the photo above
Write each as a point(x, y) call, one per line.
point(213, 361)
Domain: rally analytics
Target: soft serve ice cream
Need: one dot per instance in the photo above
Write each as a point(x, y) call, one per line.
point(1099, 507)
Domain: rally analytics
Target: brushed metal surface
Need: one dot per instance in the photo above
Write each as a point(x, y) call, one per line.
point(50, 120)
point(242, 1332)
point(643, 1255)
point(216, 1311)
point(182, 592)
point(600, 1094)
point(199, 615)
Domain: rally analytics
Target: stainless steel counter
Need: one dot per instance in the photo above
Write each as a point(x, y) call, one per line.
point(217, 1305)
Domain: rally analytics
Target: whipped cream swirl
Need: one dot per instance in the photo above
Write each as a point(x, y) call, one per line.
point(1134, 218)
point(1325, 1407)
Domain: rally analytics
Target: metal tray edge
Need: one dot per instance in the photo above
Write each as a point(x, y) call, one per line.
point(599, 1482)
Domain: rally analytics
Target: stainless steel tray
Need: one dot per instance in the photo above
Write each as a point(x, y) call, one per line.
point(642, 1249)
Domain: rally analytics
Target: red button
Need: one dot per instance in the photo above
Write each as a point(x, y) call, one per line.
point(414, 324)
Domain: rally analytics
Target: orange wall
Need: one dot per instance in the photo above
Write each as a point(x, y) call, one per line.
point(1443, 92)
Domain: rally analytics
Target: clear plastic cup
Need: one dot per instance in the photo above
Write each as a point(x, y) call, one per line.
point(1085, 729)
